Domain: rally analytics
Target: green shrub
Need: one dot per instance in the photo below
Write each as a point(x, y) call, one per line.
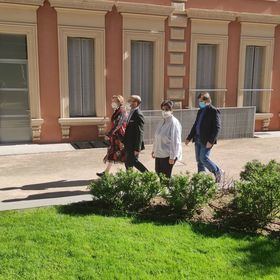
point(126, 190)
point(190, 193)
point(258, 191)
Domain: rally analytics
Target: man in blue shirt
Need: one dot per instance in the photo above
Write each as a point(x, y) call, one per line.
point(204, 133)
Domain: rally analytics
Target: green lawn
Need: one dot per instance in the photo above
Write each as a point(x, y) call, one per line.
point(67, 243)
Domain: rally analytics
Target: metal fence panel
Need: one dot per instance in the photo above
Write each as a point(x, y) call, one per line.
point(236, 122)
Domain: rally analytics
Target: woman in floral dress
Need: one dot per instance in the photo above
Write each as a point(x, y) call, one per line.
point(115, 152)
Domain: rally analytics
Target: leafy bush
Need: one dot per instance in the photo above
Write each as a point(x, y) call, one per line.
point(258, 191)
point(127, 190)
point(190, 193)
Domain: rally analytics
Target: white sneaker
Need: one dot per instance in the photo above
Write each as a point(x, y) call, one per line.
point(220, 176)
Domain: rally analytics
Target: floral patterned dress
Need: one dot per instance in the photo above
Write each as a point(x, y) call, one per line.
point(115, 152)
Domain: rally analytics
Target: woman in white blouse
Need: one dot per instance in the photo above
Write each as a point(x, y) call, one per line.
point(167, 146)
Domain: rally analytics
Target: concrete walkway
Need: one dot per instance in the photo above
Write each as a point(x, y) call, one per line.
point(61, 177)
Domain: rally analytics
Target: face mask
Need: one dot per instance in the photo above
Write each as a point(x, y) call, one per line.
point(166, 114)
point(127, 107)
point(114, 105)
point(202, 104)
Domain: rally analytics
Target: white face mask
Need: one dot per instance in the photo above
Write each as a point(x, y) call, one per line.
point(127, 107)
point(166, 114)
point(114, 105)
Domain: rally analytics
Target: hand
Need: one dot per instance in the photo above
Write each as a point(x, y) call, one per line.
point(121, 145)
point(136, 153)
point(106, 138)
point(209, 145)
point(171, 161)
point(187, 142)
point(153, 155)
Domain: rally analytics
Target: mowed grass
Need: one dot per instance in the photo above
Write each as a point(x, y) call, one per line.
point(66, 243)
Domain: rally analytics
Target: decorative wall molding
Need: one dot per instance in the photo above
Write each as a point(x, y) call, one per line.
point(141, 8)
point(210, 14)
point(81, 18)
point(231, 16)
point(36, 128)
point(265, 118)
point(258, 18)
point(101, 5)
point(18, 14)
point(66, 124)
point(24, 2)
point(139, 22)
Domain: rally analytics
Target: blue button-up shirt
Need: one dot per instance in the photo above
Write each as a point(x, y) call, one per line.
point(197, 128)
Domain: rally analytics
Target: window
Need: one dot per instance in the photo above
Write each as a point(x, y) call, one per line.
point(206, 69)
point(208, 60)
point(142, 76)
point(81, 77)
point(143, 58)
point(255, 66)
point(253, 76)
point(14, 98)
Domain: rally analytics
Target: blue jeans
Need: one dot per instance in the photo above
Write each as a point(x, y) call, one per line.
point(202, 158)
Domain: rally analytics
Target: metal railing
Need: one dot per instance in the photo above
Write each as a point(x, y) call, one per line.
point(236, 122)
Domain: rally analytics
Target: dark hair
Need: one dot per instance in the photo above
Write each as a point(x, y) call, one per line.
point(205, 96)
point(167, 103)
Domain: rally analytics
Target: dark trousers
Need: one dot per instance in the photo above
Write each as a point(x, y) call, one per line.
point(162, 166)
point(132, 161)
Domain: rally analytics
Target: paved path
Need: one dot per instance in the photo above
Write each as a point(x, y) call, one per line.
point(32, 180)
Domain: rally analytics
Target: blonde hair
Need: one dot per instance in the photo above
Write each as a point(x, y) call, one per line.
point(119, 98)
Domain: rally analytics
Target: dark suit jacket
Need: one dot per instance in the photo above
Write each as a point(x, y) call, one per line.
point(209, 127)
point(133, 137)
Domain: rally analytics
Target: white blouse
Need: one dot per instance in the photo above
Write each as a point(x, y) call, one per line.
point(167, 142)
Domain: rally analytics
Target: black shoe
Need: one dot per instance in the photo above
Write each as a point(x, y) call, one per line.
point(100, 174)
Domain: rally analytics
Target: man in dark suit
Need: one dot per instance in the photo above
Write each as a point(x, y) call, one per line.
point(133, 138)
point(204, 133)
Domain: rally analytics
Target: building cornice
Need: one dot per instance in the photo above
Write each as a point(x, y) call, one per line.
point(231, 16)
point(210, 14)
point(258, 18)
point(24, 2)
point(148, 9)
point(100, 5)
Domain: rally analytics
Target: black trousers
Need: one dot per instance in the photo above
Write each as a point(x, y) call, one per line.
point(132, 161)
point(162, 166)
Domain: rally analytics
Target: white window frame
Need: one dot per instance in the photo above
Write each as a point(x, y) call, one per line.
point(22, 20)
point(262, 35)
point(209, 32)
point(85, 24)
point(152, 31)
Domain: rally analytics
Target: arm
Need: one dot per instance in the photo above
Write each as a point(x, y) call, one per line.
point(176, 132)
point(215, 127)
point(139, 132)
point(119, 127)
point(192, 132)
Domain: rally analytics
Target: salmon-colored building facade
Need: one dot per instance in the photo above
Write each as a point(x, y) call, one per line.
point(61, 61)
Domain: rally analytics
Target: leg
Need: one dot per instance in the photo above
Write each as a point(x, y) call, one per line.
point(108, 168)
point(139, 165)
point(200, 165)
point(157, 165)
point(166, 167)
point(129, 161)
point(204, 158)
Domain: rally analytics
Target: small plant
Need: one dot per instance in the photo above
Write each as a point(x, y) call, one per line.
point(190, 193)
point(258, 191)
point(126, 190)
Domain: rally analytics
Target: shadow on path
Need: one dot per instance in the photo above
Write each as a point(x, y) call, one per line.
point(50, 185)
